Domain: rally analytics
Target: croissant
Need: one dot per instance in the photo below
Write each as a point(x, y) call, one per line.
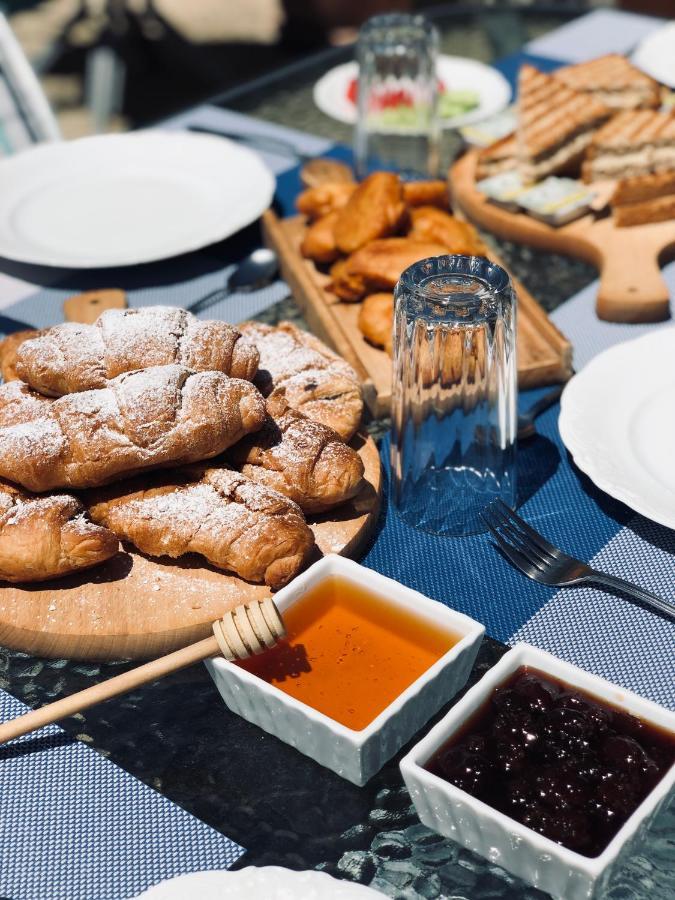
point(49, 536)
point(9, 347)
point(74, 357)
point(301, 459)
point(296, 369)
point(153, 417)
point(236, 524)
point(21, 405)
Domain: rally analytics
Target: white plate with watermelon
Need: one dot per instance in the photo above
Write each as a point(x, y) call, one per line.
point(468, 92)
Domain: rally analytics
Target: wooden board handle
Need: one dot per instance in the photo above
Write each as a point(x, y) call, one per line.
point(632, 288)
point(86, 308)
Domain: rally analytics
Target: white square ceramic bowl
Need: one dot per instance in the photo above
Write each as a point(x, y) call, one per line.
point(355, 755)
point(505, 842)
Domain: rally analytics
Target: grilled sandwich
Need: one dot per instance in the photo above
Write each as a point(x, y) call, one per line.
point(634, 142)
point(612, 80)
point(644, 198)
point(502, 156)
point(555, 124)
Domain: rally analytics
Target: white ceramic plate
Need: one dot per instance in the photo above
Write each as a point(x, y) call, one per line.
point(456, 73)
point(656, 55)
point(617, 419)
point(122, 199)
point(268, 883)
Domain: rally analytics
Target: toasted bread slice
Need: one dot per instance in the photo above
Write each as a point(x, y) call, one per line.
point(633, 142)
point(555, 124)
point(612, 80)
point(502, 156)
point(644, 187)
point(659, 209)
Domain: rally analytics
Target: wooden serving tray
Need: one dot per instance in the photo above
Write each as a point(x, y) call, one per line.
point(544, 354)
point(632, 288)
point(136, 607)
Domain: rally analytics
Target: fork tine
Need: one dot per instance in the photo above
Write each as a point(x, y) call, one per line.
point(518, 540)
point(514, 556)
point(516, 545)
point(527, 547)
point(538, 539)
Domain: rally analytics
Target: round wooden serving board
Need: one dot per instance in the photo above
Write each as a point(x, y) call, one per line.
point(632, 288)
point(137, 607)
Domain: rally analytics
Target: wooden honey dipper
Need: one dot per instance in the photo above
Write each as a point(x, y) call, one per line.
point(243, 631)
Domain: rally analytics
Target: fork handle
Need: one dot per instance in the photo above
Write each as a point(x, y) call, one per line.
point(658, 603)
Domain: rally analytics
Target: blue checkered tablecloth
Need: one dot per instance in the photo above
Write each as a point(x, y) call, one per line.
point(57, 796)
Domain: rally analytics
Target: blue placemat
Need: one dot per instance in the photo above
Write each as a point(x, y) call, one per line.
point(74, 826)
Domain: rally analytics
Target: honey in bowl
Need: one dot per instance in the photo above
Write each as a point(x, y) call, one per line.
point(349, 653)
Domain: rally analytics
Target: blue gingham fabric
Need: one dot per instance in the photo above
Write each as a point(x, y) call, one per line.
point(74, 826)
point(66, 813)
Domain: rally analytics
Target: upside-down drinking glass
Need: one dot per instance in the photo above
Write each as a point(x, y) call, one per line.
point(453, 446)
point(397, 125)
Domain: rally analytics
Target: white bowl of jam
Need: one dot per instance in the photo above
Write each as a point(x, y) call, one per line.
point(365, 664)
point(545, 770)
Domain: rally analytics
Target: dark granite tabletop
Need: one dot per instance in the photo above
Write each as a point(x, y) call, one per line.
point(177, 736)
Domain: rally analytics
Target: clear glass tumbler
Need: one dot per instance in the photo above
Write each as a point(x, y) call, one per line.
point(397, 125)
point(454, 393)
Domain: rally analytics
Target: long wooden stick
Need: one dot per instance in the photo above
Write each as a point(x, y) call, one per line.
point(244, 631)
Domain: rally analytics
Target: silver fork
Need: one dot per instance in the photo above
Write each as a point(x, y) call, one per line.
point(541, 561)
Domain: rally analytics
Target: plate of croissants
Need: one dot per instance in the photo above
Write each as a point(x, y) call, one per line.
point(157, 470)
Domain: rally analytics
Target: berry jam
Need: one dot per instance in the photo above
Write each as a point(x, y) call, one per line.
point(557, 760)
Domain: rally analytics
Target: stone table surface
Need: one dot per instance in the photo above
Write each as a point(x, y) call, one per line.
point(177, 736)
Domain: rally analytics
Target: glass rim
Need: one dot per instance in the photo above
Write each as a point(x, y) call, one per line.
point(384, 21)
point(496, 278)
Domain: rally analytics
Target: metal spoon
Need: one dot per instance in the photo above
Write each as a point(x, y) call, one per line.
point(526, 427)
point(255, 271)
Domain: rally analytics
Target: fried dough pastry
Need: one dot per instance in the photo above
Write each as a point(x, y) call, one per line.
point(318, 243)
point(378, 265)
point(303, 460)
point(432, 224)
point(235, 524)
point(324, 198)
point(48, 536)
point(8, 350)
point(376, 319)
point(375, 210)
point(298, 370)
point(427, 193)
point(325, 170)
point(165, 415)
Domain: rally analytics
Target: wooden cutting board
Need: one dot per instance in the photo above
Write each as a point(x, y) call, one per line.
point(137, 607)
point(544, 354)
point(632, 288)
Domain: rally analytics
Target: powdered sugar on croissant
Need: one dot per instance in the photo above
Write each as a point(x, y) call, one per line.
point(236, 524)
point(48, 536)
point(302, 459)
point(74, 357)
point(154, 417)
point(296, 369)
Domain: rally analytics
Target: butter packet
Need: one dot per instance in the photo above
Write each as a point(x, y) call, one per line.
point(503, 189)
point(491, 129)
point(556, 201)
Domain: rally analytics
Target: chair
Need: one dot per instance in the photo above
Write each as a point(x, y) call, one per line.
point(25, 115)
